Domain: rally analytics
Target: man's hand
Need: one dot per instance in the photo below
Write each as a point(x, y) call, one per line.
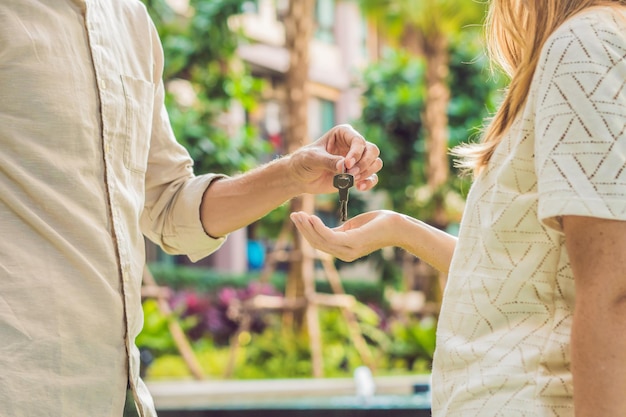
point(314, 165)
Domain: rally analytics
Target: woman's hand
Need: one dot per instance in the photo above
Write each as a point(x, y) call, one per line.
point(355, 238)
point(374, 230)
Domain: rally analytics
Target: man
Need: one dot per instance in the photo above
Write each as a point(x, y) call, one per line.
point(88, 166)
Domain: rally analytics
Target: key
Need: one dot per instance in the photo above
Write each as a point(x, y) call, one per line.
point(343, 182)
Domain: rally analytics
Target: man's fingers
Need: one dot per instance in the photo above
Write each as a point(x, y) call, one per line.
point(367, 183)
point(367, 167)
point(358, 156)
point(369, 164)
point(346, 136)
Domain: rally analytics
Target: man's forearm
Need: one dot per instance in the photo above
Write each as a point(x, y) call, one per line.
point(234, 202)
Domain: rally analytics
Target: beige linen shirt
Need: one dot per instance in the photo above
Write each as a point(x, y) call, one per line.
point(503, 339)
point(88, 164)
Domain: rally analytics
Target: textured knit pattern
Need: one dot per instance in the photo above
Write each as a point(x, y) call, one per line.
point(504, 331)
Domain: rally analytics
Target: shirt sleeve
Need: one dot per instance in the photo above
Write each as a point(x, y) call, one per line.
point(173, 194)
point(580, 130)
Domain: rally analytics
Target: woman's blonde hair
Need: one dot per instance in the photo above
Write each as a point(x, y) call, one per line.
point(516, 30)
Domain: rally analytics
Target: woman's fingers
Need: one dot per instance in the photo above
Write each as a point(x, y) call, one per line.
point(339, 241)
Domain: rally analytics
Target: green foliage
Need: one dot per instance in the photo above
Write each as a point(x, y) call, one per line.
point(405, 347)
point(475, 93)
point(391, 118)
point(275, 354)
point(268, 350)
point(168, 367)
point(202, 280)
point(448, 17)
point(393, 105)
point(270, 225)
point(340, 356)
point(206, 280)
point(155, 334)
point(413, 341)
point(199, 49)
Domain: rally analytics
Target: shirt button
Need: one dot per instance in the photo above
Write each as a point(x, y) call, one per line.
point(103, 85)
point(107, 148)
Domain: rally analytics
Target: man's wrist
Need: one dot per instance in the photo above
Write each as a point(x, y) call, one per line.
point(286, 174)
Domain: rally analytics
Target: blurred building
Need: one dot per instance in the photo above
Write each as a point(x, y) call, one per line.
point(337, 52)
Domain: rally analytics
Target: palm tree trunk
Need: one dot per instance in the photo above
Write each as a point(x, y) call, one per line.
point(300, 279)
point(436, 119)
point(298, 34)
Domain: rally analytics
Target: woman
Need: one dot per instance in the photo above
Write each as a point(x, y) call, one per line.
point(545, 220)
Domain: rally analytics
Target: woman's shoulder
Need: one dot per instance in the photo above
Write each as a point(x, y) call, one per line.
point(593, 24)
point(593, 38)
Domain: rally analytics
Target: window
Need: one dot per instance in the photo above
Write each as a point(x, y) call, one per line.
point(325, 18)
point(327, 114)
point(321, 116)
